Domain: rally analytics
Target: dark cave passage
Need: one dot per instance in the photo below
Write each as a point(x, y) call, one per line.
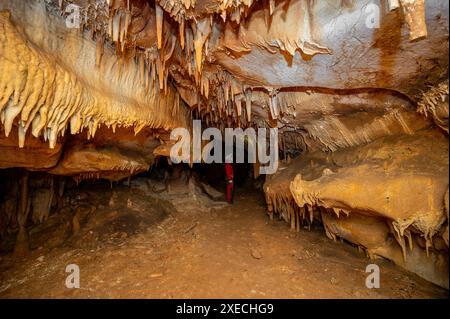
point(163, 233)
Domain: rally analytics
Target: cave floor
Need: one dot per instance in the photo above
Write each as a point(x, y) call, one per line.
point(225, 252)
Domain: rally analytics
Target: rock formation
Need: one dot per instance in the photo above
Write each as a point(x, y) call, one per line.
point(357, 89)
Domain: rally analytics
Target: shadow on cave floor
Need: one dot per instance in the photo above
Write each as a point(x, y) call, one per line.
point(142, 242)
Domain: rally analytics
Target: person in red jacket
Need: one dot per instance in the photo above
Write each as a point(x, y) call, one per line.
point(230, 182)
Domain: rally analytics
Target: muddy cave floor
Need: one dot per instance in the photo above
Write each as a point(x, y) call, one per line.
point(132, 244)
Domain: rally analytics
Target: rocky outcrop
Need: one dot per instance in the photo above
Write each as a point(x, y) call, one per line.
point(387, 196)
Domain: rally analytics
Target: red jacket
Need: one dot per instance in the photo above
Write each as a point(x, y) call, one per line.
point(229, 171)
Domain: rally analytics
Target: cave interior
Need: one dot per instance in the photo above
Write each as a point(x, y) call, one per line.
point(339, 157)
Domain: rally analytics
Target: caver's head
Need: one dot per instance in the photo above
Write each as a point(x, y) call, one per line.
point(229, 158)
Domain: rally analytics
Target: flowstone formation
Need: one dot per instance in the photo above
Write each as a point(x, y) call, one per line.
point(357, 89)
point(384, 197)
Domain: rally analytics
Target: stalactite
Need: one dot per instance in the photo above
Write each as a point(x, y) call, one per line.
point(202, 31)
point(248, 104)
point(181, 34)
point(116, 27)
point(99, 50)
point(159, 24)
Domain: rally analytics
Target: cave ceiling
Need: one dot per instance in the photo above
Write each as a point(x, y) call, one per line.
point(327, 74)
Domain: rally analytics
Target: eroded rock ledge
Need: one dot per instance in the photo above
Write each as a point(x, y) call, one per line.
point(387, 196)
